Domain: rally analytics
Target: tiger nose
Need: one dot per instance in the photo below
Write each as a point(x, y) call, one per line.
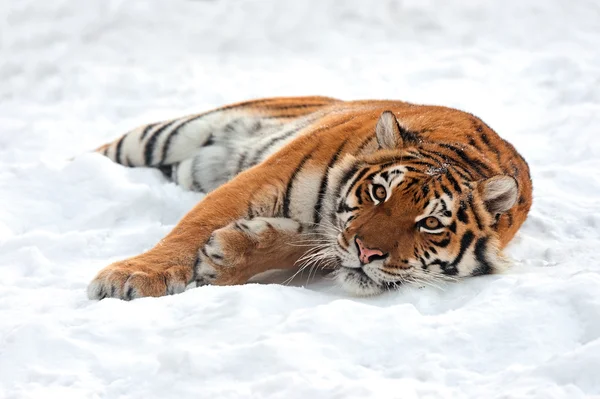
point(367, 255)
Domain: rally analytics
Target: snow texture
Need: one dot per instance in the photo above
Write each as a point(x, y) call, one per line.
point(75, 74)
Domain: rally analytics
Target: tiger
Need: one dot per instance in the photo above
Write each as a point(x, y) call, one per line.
point(382, 193)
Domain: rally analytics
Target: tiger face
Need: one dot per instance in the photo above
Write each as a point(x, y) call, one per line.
point(401, 220)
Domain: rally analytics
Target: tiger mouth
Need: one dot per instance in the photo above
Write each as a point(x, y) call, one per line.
point(359, 272)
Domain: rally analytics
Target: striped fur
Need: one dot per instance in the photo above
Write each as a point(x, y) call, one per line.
point(291, 181)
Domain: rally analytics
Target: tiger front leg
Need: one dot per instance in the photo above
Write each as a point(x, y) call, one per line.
point(170, 265)
point(247, 247)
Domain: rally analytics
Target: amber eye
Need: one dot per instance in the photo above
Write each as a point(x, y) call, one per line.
point(431, 223)
point(379, 192)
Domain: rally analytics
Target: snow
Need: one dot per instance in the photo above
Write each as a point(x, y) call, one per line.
point(75, 74)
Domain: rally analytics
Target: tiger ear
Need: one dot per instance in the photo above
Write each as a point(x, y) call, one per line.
point(390, 134)
point(499, 193)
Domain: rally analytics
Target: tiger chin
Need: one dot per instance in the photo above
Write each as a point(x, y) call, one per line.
point(384, 193)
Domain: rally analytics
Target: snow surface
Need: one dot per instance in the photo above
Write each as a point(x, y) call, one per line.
point(74, 74)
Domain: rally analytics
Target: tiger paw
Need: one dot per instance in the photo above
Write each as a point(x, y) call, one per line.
point(225, 257)
point(132, 279)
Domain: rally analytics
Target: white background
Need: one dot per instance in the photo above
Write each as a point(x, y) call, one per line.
point(75, 74)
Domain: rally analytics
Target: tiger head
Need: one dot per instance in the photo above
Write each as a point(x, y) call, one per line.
point(404, 217)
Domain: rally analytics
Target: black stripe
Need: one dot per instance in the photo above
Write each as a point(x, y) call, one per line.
point(119, 149)
point(411, 169)
point(446, 190)
point(272, 142)
point(452, 226)
point(476, 164)
point(358, 195)
point(196, 266)
point(283, 116)
point(387, 164)
point(256, 126)
point(167, 171)
point(203, 250)
point(424, 163)
point(484, 266)
point(487, 142)
point(475, 214)
point(473, 144)
point(435, 208)
point(149, 147)
point(347, 175)
point(412, 182)
point(442, 244)
point(344, 240)
point(461, 214)
point(344, 207)
point(174, 132)
point(440, 158)
point(282, 107)
point(465, 242)
point(147, 130)
point(453, 181)
point(196, 185)
point(363, 145)
point(343, 180)
point(463, 173)
point(231, 127)
point(288, 190)
point(370, 176)
point(456, 164)
point(240, 165)
point(209, 141)
point(338, 189)
point(389, 273)
point(409, 158)
point(324, 181)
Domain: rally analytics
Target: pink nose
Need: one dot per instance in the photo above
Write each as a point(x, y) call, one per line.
point(366, 255)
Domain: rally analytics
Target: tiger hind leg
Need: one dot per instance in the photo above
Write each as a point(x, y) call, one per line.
point(201, 152)
point(247, 247)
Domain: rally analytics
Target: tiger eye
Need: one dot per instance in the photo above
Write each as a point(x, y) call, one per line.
point(432, 223)
point(379, 192)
